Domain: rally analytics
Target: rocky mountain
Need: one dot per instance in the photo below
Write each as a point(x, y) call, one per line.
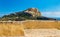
point(33, 11)
point(29, 14)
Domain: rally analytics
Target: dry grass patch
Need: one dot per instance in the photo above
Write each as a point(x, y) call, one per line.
point(39, 24)
point(11, 29)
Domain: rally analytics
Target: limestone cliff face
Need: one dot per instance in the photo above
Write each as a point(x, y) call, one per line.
point(33, 11)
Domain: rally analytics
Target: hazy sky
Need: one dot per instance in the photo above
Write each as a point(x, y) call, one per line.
point(49, 8)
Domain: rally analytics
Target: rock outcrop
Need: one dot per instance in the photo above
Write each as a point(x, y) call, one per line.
point(33, 11)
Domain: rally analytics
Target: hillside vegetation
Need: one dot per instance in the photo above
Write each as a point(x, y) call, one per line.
point(29, 14)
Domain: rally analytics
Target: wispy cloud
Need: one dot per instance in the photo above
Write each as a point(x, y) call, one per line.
point(51, 14)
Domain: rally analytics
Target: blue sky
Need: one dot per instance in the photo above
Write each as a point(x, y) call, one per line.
point(48, 8)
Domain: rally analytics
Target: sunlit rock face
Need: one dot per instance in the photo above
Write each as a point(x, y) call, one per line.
point(33, 11)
